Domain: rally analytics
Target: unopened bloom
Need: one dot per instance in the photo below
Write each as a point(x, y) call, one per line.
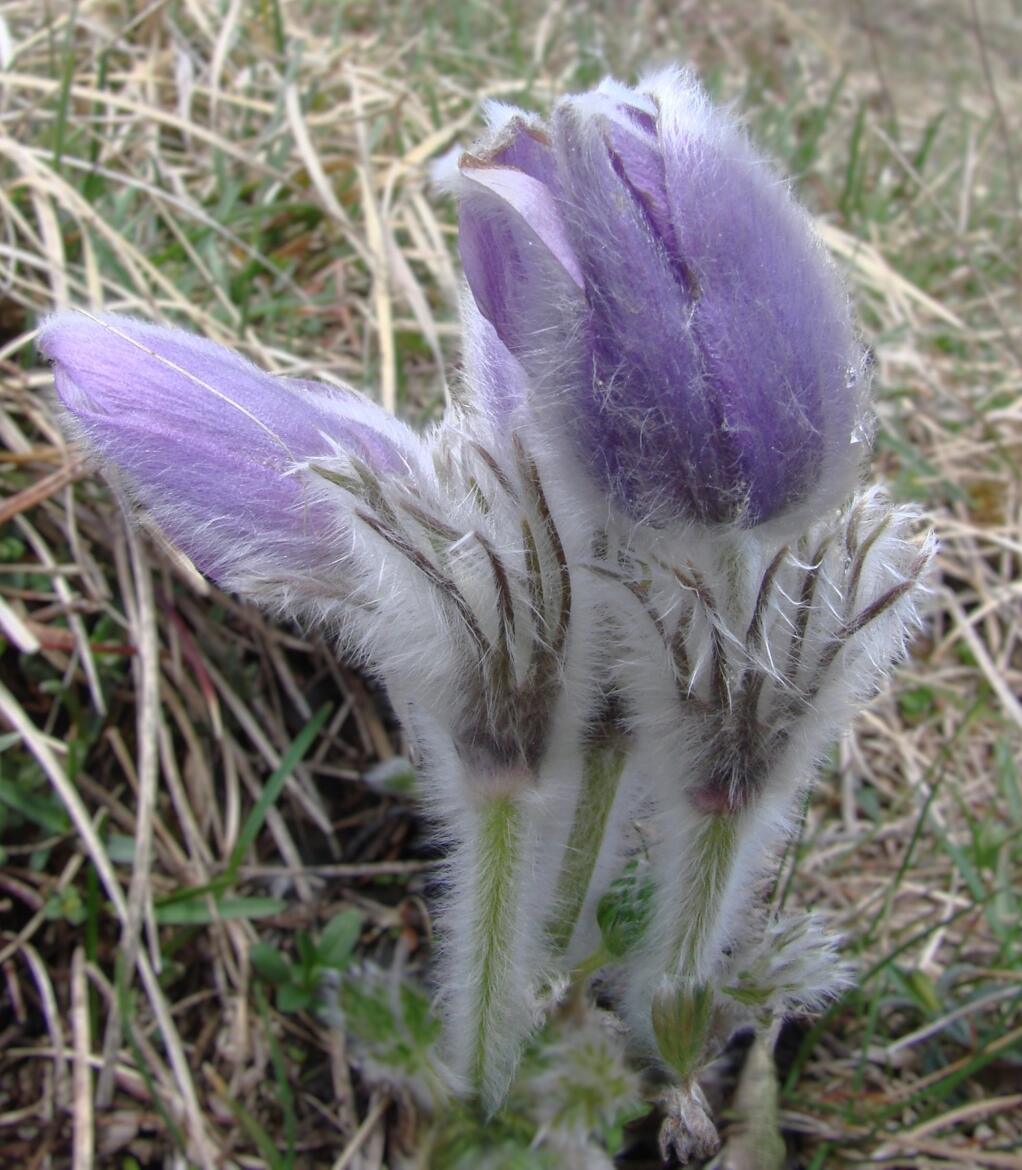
point(656, 279)
point(210, 446)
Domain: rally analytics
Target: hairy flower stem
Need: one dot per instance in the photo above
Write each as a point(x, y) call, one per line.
point(682, 1008)
point(498, 853)
point(602, 767)
point(709, 875)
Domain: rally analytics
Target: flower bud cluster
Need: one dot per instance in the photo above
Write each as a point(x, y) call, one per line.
point(618, 595)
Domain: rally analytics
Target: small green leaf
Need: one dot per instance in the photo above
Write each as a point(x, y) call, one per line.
point(308, 958)
point(623, 912)
point(923, 990)
point(41, 809)
point(66, 904)
point(200, 912)
point(339, 938)
point(293, 998)
point(269, 963)
point(11, 549)
point(422, 1025)
point(917, 703)
point(368, 1015)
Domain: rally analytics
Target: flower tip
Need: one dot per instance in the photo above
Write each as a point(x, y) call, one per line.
point(611, 99)
point(84, 351)
point(500, 115)
point(56, 329)
point(63, 335)
point(69, 333)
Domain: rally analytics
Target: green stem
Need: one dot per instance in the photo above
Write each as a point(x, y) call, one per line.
point(682, 1010)
point(602, 768)
point(498, 854)
point(591, 964)
point(711, 865)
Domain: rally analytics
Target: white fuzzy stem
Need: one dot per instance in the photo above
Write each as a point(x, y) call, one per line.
point(601, 776)
point(710, 874)
point(492, 992)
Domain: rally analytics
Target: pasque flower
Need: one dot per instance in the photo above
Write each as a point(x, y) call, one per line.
point(657, 281)
point(619, 596)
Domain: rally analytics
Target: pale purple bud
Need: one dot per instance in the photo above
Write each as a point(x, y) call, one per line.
point(651, 273)
point(515, 247)
point(208, 444)
point(494, 377)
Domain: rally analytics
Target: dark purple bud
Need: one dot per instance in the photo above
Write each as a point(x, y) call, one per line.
point(649, 270)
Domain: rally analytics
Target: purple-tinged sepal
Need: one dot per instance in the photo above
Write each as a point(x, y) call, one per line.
point(494, 381)
point(513, 238)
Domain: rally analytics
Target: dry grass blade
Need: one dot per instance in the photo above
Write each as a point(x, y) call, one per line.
point(882, 278)
point(379, 256)
point(15, 628)
point(1006, 693)
point(147, 680)
point(361, 1135)
point(60, 1096)
point(41, 490)
point(82, 1152)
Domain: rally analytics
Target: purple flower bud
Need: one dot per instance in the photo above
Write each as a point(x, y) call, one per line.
point(494, 377)
point(515, 247)
point(652, 274)
point(208, 443)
